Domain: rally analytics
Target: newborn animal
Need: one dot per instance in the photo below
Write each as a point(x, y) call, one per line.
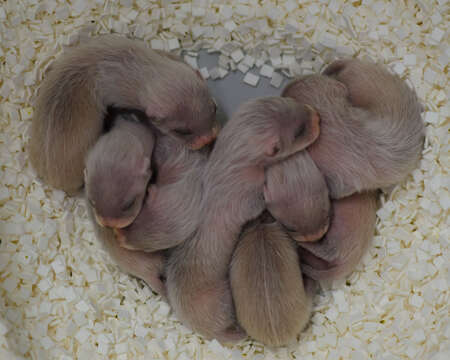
point(118, 170)
point(167, 216)
point(261, 133)
point(267, 285)
point(149, 267)
point(371, 128)
point(352, 226)
point(296, 194)
point(112, 70)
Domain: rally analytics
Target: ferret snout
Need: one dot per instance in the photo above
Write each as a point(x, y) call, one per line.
point(113, 222)
point(204, 140)
point(315, 236)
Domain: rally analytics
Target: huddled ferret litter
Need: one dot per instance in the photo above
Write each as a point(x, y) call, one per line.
point(61, 296)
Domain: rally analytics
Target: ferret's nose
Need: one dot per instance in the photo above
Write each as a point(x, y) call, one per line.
point(203, 140)
point(113, 222)
point(314, 236)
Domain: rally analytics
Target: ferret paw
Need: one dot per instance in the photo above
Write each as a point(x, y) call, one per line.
point(157, 284)
point(122, 239)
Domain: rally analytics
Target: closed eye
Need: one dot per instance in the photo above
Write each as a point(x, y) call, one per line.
point(183, 132)
point(129, 204)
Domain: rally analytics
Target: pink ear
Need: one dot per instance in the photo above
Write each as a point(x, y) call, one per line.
point(272, 147)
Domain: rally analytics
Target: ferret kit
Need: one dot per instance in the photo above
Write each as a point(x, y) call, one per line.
point(234, 225)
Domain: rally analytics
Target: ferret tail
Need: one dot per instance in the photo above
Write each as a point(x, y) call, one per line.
point(267, 285)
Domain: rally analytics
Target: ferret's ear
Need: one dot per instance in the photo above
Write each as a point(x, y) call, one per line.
point(272, 146)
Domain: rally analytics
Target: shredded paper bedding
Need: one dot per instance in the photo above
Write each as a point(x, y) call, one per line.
point(62, 297)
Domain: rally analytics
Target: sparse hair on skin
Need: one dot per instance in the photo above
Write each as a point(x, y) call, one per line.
point(149, 267)
point(168, 214)
point(341, 249)
point(271, 302)
point(118, 170)
point(261, 132)
point(111, 70)
point(296, 195)
point(372, 132)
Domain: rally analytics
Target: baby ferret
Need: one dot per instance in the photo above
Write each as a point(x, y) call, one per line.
point(269, 294)
point(266, 281)
point(168, 214)
point(261, 133)
point(118, 170)
point(296, 194)
point(111, 70)
point(371, 127)
point(340, 250)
